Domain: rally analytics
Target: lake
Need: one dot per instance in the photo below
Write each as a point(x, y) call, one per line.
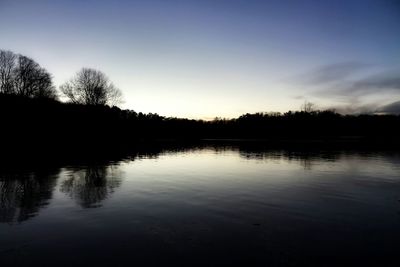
point(204, 206)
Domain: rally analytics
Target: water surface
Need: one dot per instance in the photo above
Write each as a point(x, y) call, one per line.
point(210, 206)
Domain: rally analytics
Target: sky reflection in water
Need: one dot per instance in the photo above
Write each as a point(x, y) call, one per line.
point(208, 206)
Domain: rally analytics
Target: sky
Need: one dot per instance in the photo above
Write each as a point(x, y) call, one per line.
point(207, 58)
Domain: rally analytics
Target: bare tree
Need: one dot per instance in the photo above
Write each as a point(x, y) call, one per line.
point(308, 107)
point(7, 63)
point(22, 76)
point(91, 87)
point(32, 80)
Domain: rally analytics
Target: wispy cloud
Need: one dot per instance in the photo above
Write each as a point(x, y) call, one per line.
point(378, 82)
point(393, 108)
point(332, 73)
point(350, 83)
point(355, 108)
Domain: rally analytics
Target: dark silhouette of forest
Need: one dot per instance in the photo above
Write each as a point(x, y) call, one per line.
point(29, 122)
point(33, 117)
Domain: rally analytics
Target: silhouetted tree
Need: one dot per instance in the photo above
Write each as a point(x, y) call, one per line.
point(22, 76)
point(308, 107)
point(32, 80)
point(7, 64)
point(91, 87)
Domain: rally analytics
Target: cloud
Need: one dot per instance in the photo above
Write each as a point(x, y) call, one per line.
point(350, 78)
point(378, 82)
point(392, 108)
point(334, 73)
point(353, 87)
point(354, 108)
point(357, 108)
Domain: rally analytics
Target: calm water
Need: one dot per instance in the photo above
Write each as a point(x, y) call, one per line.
point(205, 207)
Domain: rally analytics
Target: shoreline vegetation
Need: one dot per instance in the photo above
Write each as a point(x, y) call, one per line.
point(48, 124)
point(33, 119)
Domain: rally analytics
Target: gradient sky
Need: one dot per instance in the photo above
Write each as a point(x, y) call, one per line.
point(207, 58)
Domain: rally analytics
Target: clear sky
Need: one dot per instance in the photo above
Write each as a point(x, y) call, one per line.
point(207, 58)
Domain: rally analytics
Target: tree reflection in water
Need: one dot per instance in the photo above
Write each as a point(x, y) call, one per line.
point(26, 188)
point(23, 194)
point(90, 185)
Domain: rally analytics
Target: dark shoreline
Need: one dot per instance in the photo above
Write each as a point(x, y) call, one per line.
point(44, 126)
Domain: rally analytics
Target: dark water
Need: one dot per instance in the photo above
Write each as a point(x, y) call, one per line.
point(205, 207)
